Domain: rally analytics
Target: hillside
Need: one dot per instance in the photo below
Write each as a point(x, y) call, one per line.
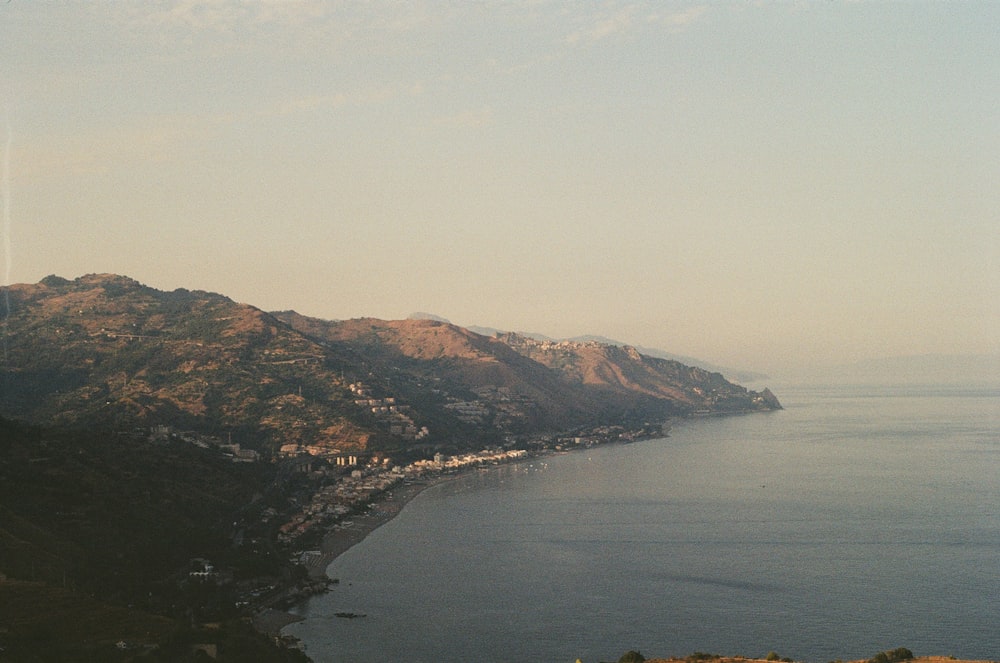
point(444, 368)
point(513, 384)
point(740, 375)
point(106, 351)
point(97, 536)
point(625, 368)
point(712, 658)
point(125, 412)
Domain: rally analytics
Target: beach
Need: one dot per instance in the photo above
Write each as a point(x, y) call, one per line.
point(343, 537)
point(348, 534)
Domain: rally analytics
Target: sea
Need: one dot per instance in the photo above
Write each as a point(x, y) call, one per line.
point(860, 518)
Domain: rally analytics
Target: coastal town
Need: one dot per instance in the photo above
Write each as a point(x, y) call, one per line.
point(348, 493)
point(356, 499)
point(347, 496)
point(325, 500)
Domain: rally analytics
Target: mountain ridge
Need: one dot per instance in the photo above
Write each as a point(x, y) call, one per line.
point(106, 350)
point(132, 421)
point(740, 375)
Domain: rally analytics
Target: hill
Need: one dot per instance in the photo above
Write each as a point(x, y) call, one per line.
point(106, 351)
point(740, 375)
point(511, 384)
point(98, 534)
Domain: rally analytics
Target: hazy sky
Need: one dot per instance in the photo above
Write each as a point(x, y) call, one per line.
point(756, 184)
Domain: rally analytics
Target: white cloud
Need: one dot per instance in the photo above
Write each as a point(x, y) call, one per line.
point(603, 27)
point(230, 15)
point(678, 20)
point(625, 19)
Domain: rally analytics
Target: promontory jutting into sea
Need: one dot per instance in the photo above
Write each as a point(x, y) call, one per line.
point(198, 460)
point(856, 520)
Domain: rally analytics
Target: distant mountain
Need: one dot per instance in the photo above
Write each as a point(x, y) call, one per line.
point(117, 401)
point(419, 315)
point(737, 374)
point(625, 367)
point(107, 351)
point(492, 331)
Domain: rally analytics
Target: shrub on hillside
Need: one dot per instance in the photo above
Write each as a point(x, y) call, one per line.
point(894, 656)
point(632, 656)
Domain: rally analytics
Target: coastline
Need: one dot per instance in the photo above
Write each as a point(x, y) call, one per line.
point(342, 538)
point(339, 540)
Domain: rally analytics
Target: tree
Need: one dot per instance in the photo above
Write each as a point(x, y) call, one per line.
point(632, 656)
point(894, 656)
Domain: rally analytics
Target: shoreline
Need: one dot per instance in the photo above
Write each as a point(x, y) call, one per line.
point(340, 539)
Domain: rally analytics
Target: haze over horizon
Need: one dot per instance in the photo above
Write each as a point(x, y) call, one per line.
point(763, 186)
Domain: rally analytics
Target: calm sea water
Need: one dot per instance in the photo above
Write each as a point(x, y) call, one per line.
point(854, 521)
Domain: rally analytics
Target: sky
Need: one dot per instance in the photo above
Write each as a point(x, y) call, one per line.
point(762, 185)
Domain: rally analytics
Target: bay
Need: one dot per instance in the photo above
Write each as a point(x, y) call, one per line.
point(856, 520)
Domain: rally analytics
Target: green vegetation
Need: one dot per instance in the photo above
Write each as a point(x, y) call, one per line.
point(98, 533)
point(892, 656)
point(44, 623)
point(107, 513)
point(632, 657)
